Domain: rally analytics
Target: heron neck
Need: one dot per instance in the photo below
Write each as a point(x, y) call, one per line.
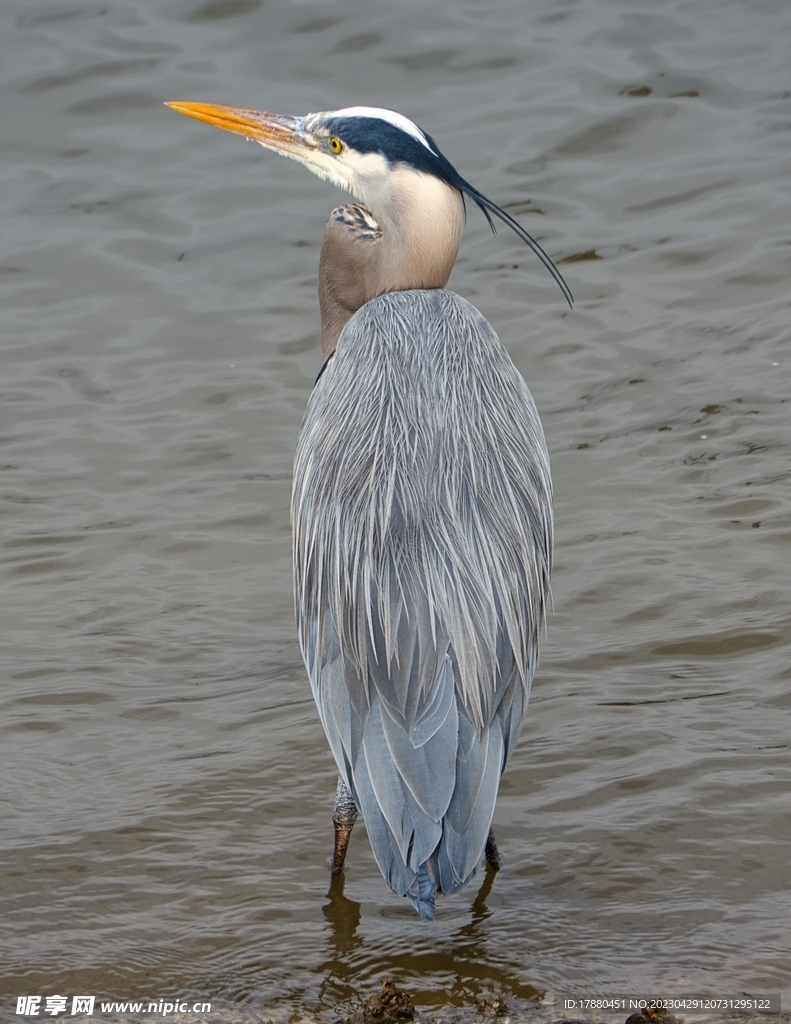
point(406, 237)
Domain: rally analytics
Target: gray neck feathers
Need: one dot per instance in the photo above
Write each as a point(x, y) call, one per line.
point(412, 241)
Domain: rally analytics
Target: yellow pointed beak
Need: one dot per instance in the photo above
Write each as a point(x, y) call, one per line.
point(281, 132)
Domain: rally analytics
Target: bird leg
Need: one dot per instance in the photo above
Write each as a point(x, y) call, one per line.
point(344, 815)
point(491, 853)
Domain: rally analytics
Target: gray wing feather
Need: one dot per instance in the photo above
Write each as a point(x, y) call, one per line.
point(426, 767)
point(470, 771)
point(461, 850)
point(387, 851)
point(408, 663)
point(422, 548)
point(416, 833)
point(342, 723)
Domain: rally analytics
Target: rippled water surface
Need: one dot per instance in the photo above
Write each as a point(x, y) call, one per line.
point(166, 785)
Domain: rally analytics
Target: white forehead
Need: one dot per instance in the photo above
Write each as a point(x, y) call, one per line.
point(396, 119)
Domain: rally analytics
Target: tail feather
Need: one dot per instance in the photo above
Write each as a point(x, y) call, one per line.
point(422, 892)
point(420, 853)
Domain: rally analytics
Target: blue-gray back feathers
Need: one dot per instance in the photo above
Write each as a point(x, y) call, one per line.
point(422, 549)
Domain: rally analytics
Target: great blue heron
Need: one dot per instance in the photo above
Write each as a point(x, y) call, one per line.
point(422, 504)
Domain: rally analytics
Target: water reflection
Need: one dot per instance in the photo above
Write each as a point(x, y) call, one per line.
point(343, 919)
point(462, 960)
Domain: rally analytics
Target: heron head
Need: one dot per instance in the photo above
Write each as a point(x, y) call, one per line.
point(365, 150)
point(356, 148)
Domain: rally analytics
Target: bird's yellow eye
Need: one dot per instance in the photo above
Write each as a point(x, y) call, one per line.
point(335, 144)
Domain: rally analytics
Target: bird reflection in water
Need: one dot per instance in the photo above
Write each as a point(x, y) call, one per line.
point(462, 959)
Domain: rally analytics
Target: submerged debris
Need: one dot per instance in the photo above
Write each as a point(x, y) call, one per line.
point(496, 1008)
point(388, 1005)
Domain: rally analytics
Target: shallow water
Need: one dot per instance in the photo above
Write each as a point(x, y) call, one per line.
point(166, 784)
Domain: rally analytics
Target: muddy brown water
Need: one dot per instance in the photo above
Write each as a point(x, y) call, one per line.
point(165, 782)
